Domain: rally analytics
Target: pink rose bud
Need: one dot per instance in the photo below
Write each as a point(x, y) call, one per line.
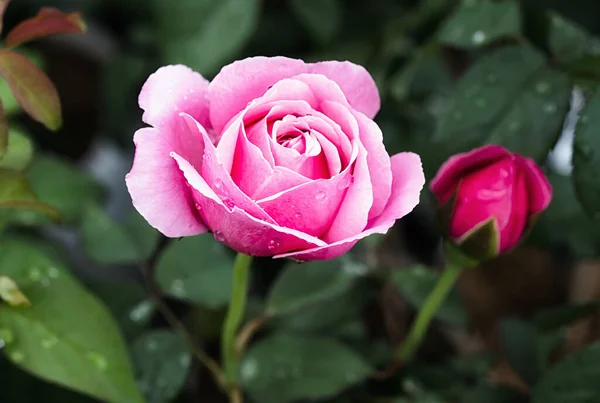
point(275, 157)
point(489, 198)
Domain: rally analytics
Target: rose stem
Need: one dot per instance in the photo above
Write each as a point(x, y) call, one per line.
point(433, 302)
point(235, 314)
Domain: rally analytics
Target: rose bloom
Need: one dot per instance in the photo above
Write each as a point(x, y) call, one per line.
point(275, 156)
point(491, 184)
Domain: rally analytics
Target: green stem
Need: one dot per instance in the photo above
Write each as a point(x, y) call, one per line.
point(433, 302)
point(237, 306)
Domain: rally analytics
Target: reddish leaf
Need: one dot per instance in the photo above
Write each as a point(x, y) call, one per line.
point(49, 21)
point(3, 5)
point(3, 131)
point(32, 88)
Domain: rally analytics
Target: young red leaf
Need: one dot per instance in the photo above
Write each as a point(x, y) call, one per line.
point(49, 21)
point(3, 131)
point(3, 5)
point(32, 88)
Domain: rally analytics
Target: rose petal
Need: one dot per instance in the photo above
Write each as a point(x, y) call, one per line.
point(539, 189)
point(352, 216)
point(219, 179)
point(171, 90)
point(248, 79)
point(408, 181)
point(158, 189)
point(356, 83)
point(449, 174)
point(378, 161)
point(238, 229)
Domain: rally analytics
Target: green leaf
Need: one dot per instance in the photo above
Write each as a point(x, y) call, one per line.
point(416, 282)
point(586, 156)
point(506, 98)
point(66, 336)
point(488, 393)
point(32, 89)
point(572, 380)
point(144, 236)
point(105, 241)
point(567, 40)
point(163, 362)
point(11, 106)
point(577, 232)
point(284, 368)
point(19, 151)
point(15, 193)
point(479, 22)
point(556, 318)
point(59, 184)
point(322, 18)
point(308, 284)
point(519, 341)
point(204, 34)
point(196, 269)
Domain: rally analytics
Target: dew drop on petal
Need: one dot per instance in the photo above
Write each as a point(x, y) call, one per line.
point(274, 244)
point(320, 196)
point(219, 236)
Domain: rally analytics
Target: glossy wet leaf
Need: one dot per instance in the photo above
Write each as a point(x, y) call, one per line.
point(32, 89)
point(204, 34)
point(60, 184)
point(479, 22)
point(196, 269)
point(306, 284)
point(509, 98)
point(416, 282)
point(285, 368)
point(321, 18)
point(163, 361)
point(586, 156)
point(574, 379)
point(67, 336)
point(566, 39)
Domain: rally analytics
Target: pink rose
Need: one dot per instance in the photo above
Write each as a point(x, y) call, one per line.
point(490, 186)
point(299, 169)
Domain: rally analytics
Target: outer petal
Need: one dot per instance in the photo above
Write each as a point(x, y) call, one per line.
point(408, 181)
point(171, 90)
point(540, 190)
point(449, 174)
point(378, 161)
point(158, 189)
point(355, 81)
point(245, 80)
point(238, 229)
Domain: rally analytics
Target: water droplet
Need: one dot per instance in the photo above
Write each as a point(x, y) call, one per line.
point(218, 184)
point(478, 37)
point(504, 173)
point(7, 336)
point(514, 125)
point(185, 97)
point(45, 281)
point(98, 360)
point(35, 274)
point(49, 342)
point(198, 207)
point(178, 288)
point(550, 107)
point(584, 119)
point(185, 360)
point(344, 183)
point(298, 216)
point(229, 203)
point(152, 345)
point(219, 236)
point(491, 78)
point(206, 158)
point(17, 356)
point(542, 87)
point(274, 243)
point(53, 272)
point(480, 102)
point(141, 312)
point(249, 369)
point(320, 196)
